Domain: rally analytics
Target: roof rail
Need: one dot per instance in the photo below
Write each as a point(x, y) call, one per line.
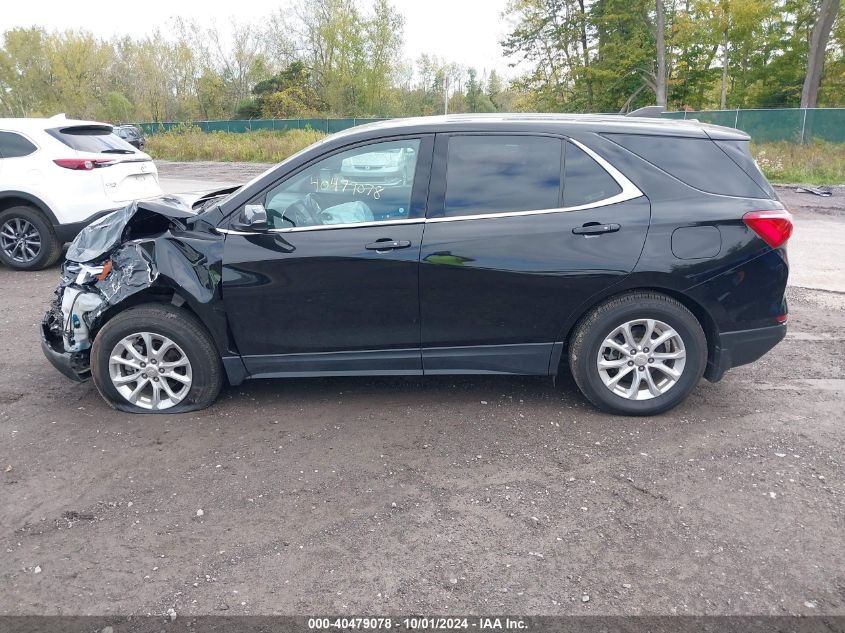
point(652, 112)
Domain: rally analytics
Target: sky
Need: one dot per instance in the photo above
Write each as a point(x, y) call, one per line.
point(464, 31)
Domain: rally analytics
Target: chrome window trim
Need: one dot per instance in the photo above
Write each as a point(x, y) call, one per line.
point(629, 192)
point(324, 227)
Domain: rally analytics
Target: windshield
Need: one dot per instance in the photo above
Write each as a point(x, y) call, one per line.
point(92, 138)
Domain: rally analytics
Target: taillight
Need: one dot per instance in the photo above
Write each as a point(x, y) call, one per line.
point(84, 164)
point(775, 227)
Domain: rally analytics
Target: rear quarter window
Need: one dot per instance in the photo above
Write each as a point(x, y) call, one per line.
point(96, 139)
point(14, 145)
point(585, 181)
point(698, 162)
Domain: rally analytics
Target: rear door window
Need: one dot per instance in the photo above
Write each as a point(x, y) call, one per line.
point(501, 174)
point(14, 145)
point(585, 181)
point(92, 138)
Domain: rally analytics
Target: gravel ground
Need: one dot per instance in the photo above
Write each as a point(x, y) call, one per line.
point(435, 495)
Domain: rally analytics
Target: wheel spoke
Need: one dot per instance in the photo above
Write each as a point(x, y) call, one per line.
point(635, 386)
point(665, 336)
point(156, 399)
point(166, 345)
point(674, 375)
point(619, 376)
point(142, 382)
point(629, 336)
point(670, 355)
point(609, 342)
point(128, 362)
point(612, 364)
point(123, 380)
point(649, 330)
point(652, 386)
point(171, 364)
point(129, 347)
point(185, 380)
point(148, 343)
point(169, 390)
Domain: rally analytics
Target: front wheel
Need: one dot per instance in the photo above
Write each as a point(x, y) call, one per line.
point(156, 359)
point(638, 354)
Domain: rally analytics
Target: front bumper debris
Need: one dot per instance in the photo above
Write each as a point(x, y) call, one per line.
point(74, 365)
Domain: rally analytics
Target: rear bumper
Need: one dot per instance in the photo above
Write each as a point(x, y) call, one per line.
point(740, 348)
point(74, 365)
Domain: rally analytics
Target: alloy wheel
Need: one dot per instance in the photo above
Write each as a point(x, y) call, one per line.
point(150, 371)
point(641, 359)
point(20, 240)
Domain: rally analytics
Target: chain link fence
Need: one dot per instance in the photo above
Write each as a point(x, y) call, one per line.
point(793, 125)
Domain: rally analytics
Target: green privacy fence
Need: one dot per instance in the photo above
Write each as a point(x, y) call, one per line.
point(794, 125)
point(330, 126)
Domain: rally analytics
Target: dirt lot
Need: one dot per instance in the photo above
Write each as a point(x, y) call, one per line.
point(435, 495)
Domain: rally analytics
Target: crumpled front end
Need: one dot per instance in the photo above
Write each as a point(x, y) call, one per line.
point(84, 294)
point(145, 246)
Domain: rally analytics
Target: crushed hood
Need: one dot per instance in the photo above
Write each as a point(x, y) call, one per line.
point(136, 220)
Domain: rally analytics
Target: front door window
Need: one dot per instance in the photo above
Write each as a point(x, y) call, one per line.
point(372, 183)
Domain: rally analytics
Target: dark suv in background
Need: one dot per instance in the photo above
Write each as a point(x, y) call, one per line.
point(131, 134)
point(641, 254)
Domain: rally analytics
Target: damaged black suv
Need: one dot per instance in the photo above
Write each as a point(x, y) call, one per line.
point(641, 253)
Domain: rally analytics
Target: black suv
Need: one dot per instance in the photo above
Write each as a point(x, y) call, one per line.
point(640, 253)
point(131, 134)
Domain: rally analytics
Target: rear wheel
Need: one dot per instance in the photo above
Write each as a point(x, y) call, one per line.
point(156, 359)
point(638, 354)
point(27, 240)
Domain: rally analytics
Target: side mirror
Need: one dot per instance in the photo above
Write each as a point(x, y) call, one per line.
point(253, 217)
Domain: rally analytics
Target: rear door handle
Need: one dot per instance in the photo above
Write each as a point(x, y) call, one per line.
point(388, 245)
point(595, 228)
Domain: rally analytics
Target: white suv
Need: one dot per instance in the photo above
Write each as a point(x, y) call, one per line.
point(56, 176)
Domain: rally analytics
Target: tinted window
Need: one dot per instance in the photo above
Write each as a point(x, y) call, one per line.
point(585, 181)
point(497, 174)
point(92, 138)
point(696, 161)
point(370, 183)
point(14, 145)
point(741, 155)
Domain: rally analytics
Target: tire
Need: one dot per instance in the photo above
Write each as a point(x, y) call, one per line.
point(39, 236)
point(188, 339)
point(656, 391)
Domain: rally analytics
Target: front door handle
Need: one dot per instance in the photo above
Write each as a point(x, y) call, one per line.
point(387, 245)
point(595, 228)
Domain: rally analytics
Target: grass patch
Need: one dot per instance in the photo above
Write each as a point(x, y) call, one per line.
point(812, 164)
point(260, 146)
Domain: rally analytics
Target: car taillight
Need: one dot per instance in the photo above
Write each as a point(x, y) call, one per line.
point(775, 227)
point(84, 164)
